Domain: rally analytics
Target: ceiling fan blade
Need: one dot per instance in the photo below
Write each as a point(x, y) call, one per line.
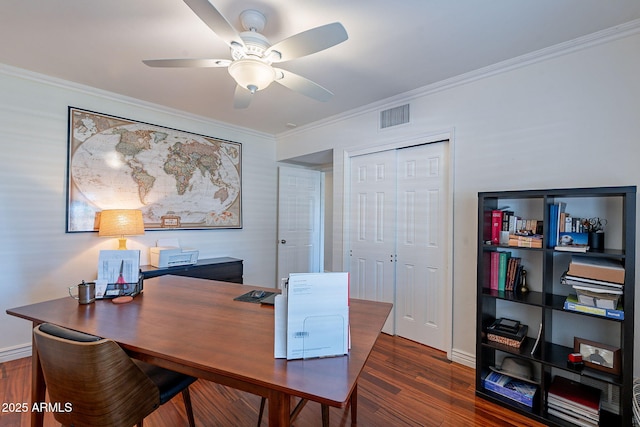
point(214, 20)
point(308, 42)
point(302, 85)
point(196, 63)
point(241, 98)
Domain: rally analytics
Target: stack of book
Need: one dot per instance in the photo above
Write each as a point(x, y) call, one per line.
point(512, 388)
point(556, 211)
point(574, 402)
point(525, 240)
point(512, 336)
point(599, 286)
point(505, 271)
point(505, 225)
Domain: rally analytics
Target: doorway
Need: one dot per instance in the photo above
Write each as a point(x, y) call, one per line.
point(300, 231)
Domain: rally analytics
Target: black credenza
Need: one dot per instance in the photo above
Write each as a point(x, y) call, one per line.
point(225, 269)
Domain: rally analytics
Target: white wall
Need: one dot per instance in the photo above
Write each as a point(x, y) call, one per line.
point(38, 260)
point(568, 119)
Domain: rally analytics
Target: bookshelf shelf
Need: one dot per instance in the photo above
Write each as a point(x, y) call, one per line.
point(544, 303)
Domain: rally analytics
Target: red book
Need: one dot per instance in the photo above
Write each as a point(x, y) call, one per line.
point(496, 226)
point(572, 394)
point(495, 267)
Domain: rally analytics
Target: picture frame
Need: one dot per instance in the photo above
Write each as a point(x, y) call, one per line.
point(595, 355)
point(178, 179)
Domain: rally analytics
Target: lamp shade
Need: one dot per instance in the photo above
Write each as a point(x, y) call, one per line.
point(120, 223)
point(252, 74)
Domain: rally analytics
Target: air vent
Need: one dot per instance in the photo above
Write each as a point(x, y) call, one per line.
point(394, 116)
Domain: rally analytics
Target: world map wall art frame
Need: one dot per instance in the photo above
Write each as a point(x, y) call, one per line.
point(179, 180)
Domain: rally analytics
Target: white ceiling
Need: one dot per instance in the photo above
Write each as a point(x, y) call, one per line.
point(393, 47)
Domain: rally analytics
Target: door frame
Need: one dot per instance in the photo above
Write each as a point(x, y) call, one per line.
point(397, 143)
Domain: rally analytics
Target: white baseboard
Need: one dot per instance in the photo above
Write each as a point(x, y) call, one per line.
point(15, 352)
point(463, 358)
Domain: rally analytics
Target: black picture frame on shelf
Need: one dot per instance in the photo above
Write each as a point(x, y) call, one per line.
point(598, 356)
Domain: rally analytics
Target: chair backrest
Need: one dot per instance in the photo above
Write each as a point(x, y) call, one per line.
point(93, 382)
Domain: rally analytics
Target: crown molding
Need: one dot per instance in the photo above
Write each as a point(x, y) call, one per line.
point(21, 73)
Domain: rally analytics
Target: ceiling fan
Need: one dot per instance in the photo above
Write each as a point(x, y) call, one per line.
point(252, 54)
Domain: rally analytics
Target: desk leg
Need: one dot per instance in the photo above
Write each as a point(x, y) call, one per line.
point(38, 386)
point(354, 405)
point(279, 406)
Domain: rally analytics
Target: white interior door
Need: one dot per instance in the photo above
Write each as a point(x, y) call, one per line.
point(372, 229)
point(421, 310)
point(299, 221)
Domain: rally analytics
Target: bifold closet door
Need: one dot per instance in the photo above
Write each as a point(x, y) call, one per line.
point(421, 303)
point(397, 238)
point(372, 229)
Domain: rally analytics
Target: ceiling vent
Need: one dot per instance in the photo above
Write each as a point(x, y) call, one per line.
point(394, 116)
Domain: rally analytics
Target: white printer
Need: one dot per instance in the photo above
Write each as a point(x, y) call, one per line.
point(168, 253)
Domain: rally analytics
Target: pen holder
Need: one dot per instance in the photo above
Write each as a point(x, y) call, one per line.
point(122, 289)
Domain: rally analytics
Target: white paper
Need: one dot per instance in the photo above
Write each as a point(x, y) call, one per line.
point(113, 263)
point(280, 318)
point(317, 315)
point(101, 288)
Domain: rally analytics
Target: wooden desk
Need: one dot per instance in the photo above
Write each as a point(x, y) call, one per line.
point(189, 326)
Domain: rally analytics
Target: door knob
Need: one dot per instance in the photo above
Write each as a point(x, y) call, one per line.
point(283, 241)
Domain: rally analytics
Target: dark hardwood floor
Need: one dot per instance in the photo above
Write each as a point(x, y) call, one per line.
point(403, 384)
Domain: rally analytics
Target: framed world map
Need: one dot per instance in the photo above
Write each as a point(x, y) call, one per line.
point(178, 179)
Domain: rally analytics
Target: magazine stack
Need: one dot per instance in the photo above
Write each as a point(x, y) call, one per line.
point(514, 380)
point(574, 402)
point(598, 284)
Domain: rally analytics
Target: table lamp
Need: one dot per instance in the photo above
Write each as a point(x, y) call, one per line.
point(121, 222)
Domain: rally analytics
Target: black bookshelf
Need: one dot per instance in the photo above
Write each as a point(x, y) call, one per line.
point(544, 304)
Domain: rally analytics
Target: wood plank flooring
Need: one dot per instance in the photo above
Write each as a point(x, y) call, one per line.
point(403, 384)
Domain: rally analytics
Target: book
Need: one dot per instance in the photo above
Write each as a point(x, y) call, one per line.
point(600, 300)
point(596, 284)
point(504, 232)
point(513, 266)
point(572, 410)
point(553, 223)
point(597, 268)
point(510, 267)
point(555, 211)
point(495, 264)
point(572, 248)
point(520, 391)
point(502, 269)
point(496, 226)
point(597, 289)
point(528, 241)
point(572, 304)
point(572, 394)
point(561, 211)
point(511, 388)
point(518, 277)
point(571, 418)
point(573, 242)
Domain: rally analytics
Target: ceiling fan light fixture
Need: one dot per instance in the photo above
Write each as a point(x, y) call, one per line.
point(252, 74)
